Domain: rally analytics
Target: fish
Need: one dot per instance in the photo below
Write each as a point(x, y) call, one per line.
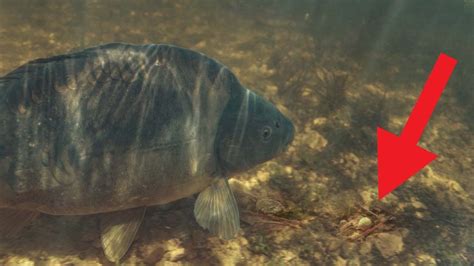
point(113, 129)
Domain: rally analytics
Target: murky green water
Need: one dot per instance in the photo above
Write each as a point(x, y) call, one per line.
point(338, 69)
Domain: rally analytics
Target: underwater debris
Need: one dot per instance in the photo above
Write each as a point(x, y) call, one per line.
point(270, 212)
point(266, 212)
point(255, 218)
point(269, 206)
point(364, 222)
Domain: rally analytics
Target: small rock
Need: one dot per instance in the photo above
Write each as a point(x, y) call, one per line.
point(152, 254)
point(288, 169)
point(272, 89)
point(419, 215)
point(175, 255)
point(349, 164)
point(317, 256)
point(456, 187)
point(319, 121)
point(354, 262)
point(314, 140)
point(269, 206)
point(347, 249)
point(369, 197)
point(425, 259)
point(287, 255)
point(354, 236)
point(364, 223)
point(418, 205)
point(403, 232)
point(388, 244)
point(365, 248)
point(200, 45)
point(334, 244)
point(263, 176)
point(21, 109)
point(339, 261)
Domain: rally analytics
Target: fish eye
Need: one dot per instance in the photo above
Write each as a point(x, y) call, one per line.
point(266, 133)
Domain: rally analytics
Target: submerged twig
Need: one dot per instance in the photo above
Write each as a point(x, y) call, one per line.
point(271, 219)
point(367, 210)
point(371, 229)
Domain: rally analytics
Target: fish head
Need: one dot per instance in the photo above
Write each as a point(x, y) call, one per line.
point(251, 131)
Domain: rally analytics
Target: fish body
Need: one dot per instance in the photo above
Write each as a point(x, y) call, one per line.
point(116, 128)
point(113, 127)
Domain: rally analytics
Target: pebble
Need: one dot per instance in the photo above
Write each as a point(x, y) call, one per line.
point(354, 236)
point(317, 256)
point(339, 261)
point(455, 187)
point(151, 253)
point(315, 141)
point(418, 205)
point(263, 176)
point(388, 244)
point(271, 89)
point(334, 244)
point(175, 255)
point(347, 249)
point(419, 215)
point(269, 206)
point(319, 121)
point(287, 255)
point(425, 259)
point(21, 109)
point(354, 262)
point(364, 223)
point(365, 248)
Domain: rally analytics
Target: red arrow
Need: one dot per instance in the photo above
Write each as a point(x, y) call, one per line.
point(399, 157)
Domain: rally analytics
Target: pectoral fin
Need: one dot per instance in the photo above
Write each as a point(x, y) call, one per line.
point(118, 230)
point(216, 210)
point(12, 221)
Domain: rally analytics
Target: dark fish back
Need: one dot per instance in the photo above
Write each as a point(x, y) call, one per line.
point(69, 113)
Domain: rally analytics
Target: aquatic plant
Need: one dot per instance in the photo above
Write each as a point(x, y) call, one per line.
point(367, 114)
point(331, 89)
